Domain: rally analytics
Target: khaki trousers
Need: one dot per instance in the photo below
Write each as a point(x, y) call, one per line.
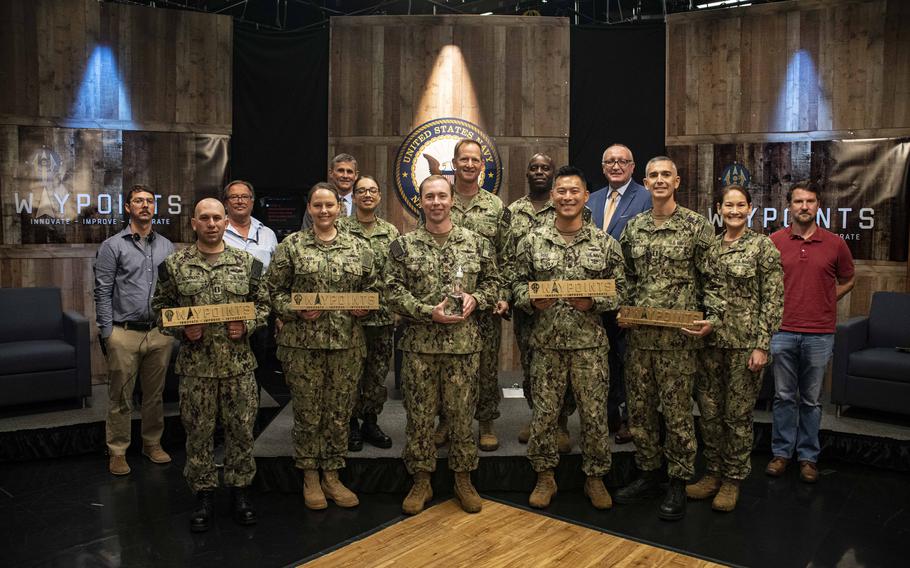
point(132, 354)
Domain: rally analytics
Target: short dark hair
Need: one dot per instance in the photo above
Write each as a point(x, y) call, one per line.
point(804, 185)
point(366, 176)
point(322, 185)
point(660, 159)
point(566, 171)
point(137, 188)
point(462, 142)
point(732, 187)
point(541, 155)
point(436, 177)
point(249, 186)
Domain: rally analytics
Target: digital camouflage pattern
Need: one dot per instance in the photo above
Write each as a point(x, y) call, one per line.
point(323, 357)
point(544, 255)
point(753, 281)
point(372, 392)
point(186, 279)
point(234, 402)
point(379, 240)
point(322, 384)
point(486, 215)
point(668, 266)
point(303, 264)
point(663, 378)
point(424, 377)
point(671, 266)
point(419, 275)
point(553, 372)
point(726, 392)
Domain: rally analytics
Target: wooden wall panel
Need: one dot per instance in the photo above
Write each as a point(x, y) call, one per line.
point(816, 69)
point(83, 63)
point(508, 75)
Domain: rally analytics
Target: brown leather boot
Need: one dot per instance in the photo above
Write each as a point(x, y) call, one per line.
point(117, 465)
point(563, 441)
point(441, 436)
point(336, 491)
point(544, 491)
point(313, 497)
point(466, 494)
point(705, 487)
point(597, 493)
point(524, 434)
point(488, 440)
point(726, 498)
point(419, 495)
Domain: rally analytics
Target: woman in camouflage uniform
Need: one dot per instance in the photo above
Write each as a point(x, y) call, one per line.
point(321, 351)
point(737, 352)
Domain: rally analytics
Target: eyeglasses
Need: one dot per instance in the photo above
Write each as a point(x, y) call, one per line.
point(240, 197)
point(365, 190)
point(142, 200)
point(620, 163)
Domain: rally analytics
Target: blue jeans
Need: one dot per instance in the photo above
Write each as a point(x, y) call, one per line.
point(799, 369)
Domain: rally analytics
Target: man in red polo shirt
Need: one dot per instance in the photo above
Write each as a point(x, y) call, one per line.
point(818, 271)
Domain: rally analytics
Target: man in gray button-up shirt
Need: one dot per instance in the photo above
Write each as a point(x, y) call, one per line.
point(126, 270)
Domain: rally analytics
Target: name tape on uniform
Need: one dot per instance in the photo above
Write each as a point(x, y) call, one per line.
point(213, 313)
point(334, 301)
point(571, 288)
point(660, 317)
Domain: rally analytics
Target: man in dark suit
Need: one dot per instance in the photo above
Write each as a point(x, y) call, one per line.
point(612, 206)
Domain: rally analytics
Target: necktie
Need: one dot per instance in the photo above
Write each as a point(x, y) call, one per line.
point(611, 208)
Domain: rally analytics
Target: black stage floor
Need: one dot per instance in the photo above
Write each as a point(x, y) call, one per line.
point(69, 511)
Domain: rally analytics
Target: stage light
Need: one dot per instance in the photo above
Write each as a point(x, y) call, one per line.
point(724, 3)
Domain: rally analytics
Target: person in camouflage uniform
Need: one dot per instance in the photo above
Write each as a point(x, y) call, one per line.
point(441, 348)
point(321, 351)
point(737, 352)
point(529, 212)
point(669, 264)
point(378, 328)
point(215, 362)
point(569, 340)
point(484, 213)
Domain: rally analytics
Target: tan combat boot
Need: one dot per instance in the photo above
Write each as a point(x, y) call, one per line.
point(336, 491)
point(156, 454)
point(466, 494)
point(563, 441)
point(419, 495)
point(705, 487)
point(597, 493)
point(313, 497)
point(441, 436)
point(726, 498)
point(544, 491)
point(117, 465)
point(524, 434)
point(488, 440)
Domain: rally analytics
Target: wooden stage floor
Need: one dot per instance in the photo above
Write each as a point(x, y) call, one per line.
point(500, 536)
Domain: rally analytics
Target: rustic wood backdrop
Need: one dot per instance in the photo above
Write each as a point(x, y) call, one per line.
point(121, 95)
point(763, 85)
point(509, 75)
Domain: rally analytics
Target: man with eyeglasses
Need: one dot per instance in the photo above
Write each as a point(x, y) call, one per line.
point(126, 273)
point(244, 231)
point(612, 206)
point(378, 326)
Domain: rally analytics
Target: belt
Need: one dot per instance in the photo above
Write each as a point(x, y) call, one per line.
point(136, 325)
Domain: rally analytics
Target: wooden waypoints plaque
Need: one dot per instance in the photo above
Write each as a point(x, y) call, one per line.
point(214, 313)
point(660, 317)
point(334, 301)
point(571, 288)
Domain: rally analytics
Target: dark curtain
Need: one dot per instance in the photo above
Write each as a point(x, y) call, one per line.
point(617, 86)
point(281, 94)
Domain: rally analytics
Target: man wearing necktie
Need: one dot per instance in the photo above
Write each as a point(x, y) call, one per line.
point(611, 208)
point(342, 174)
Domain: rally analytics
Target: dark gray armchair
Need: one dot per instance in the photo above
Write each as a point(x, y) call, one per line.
point(44, 351)
point(868, 371)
